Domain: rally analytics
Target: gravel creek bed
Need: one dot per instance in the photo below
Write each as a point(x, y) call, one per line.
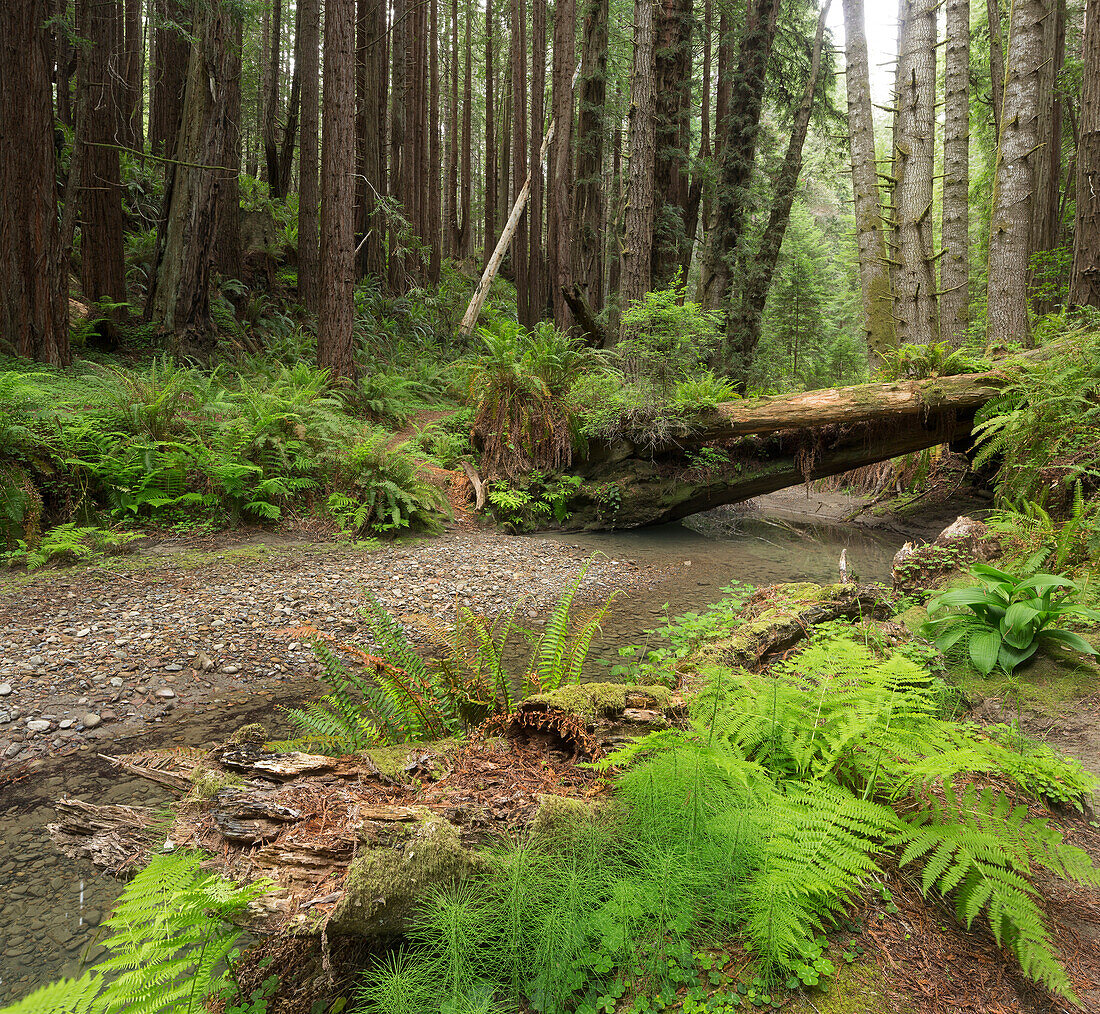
point(95, 653)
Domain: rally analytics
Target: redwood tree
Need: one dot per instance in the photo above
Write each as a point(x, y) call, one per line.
point(336, 313)
point(955, 265)
point(307, 49)
point(34, 305)
point(560, 180)
point(1085, 281)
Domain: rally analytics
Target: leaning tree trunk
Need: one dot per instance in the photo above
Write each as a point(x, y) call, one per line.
point(34, 305)
point(307, 46)
point(336, 316)
point(1085, 282)
point(638, 238)
point(588, 210)
point(757, 271)
point(742, 124)
point(955, 266)
point(102, 275)
point(1014, 189)
point(874, 275)
point(180, 297)
point(916, 309)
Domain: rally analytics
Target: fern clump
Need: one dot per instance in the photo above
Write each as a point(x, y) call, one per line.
point(170, 940)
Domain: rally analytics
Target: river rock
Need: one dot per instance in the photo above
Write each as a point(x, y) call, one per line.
point(166, 693)
point(962, 543)
point(5, 689)
point(38, 725)
point(91, 720)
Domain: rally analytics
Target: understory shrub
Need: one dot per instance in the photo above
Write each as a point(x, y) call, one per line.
point(766, 817)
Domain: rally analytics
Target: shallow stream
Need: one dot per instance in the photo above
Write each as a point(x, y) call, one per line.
point(50, 907)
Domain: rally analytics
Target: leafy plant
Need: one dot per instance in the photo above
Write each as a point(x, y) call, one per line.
point(1008, 618)
point(170, 940)
point(69, 542)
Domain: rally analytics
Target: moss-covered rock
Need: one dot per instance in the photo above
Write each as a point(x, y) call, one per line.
point(595, 700)
point(386, 882)
point(562, 818)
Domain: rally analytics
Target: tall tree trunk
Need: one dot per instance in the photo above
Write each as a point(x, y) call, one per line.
point(490, 138)
point(64, 62)
point(102, 274)
point(453, 240)
point(723, 93)
point(271, 101)
point(180, 297)
point(503, 161)
point(370, 116)
point(307, 50)
point(739, 144)
point(638, 237)
point(1085, 281)
point(466, 228)
point(1014, 190)
point(672, 75)
point(955, 265)
point(435, 169)
point(696, 190)
point(536, 266)
point(171, 53)
point(758, 270)
point(1047, 158)
point(34, 304)
point(520, 252)
point(874, 276)
point(560, 185)
point(397, 169)
point(336, 312)
point(588, 199)
point(131, 73)
point(996, 62)
point(290, 128)
point(915, 305)
point(614, 239)
point(227, 250)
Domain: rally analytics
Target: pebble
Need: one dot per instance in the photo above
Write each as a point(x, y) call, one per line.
point(166, 692)
point(38, 725)
point(91, 720)
point(5, 689)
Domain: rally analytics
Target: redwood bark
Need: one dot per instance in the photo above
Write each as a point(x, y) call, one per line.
point(588, 195)
point(520, 252)
point(370, 117)
point(102, 274)
point(271, 102)
point(955, 265)
point(916, 310)
point(638, 236)
point(452, 239)
point(171, 54)
point(397, 169)
point(738, 153)
point(560, 186)
point(874, 276)
point(180, 297)
point(490, 138)
point(756, 272)
point(227, 252)
point(672, 75)
point(466, 227)
point(34, 305)
point(696, 191)
point(307, 46)
point(1014, 187)
point(131, 72)
point(290, 128)
point(336, 314)
point(536, 264)
point(435, 169)
point(1085, 282)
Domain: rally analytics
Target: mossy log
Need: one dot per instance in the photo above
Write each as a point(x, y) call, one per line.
point(770, 444)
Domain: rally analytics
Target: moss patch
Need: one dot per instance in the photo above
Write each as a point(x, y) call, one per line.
point(855, 989)
point(591, 700)
point(392, 761)
point(386, 883)
point(560, 818)
point(207, 783)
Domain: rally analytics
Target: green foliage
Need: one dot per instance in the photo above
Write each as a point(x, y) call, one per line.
point(1008, 618)
point(1029, 532)
point(981, 847)
point(519, 385)
point(1042, 433)
point(544, 499)
point(383, 490)
point(66, 543)
point(170, 940)
point(664, 337)
point(398, 695)
point(938, 359)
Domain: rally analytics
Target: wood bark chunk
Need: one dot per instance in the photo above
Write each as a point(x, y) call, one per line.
point(250, 816)
point(276, 766)
point(115, 838)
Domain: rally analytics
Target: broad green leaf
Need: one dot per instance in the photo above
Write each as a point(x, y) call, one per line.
point(984, 650)
point(1010, 657)
point(1067, 638)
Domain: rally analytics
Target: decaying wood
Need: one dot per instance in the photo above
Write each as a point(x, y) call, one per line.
point(115, 838)
point(594, 331)
point(276, 766)
point(475, 481)
point(251, 816)
point(171, 779)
